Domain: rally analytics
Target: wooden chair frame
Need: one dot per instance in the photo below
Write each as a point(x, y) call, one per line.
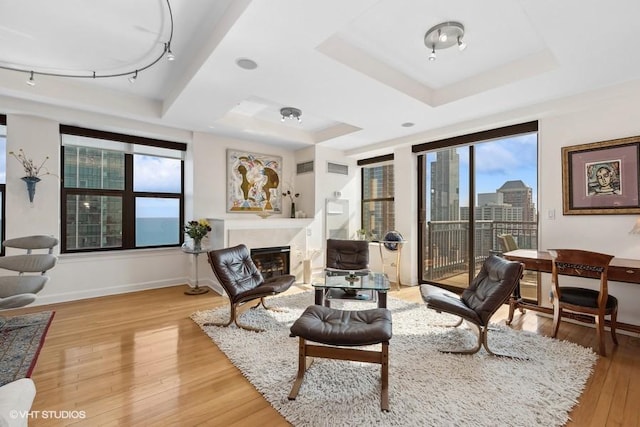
point(587, 264)
point(341, 353)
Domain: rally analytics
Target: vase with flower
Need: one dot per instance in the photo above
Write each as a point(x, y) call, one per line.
point(292, 197)
point(32, 171)
point(197, 230)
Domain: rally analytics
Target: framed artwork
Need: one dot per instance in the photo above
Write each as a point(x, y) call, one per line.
point(253, 182)
point(601, 178)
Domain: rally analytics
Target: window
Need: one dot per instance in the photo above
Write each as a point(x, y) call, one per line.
point(3, 176)
point(472, 190)
point(120, 191)
point(378, 211)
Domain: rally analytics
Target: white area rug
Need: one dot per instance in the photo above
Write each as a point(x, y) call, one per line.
point(426, 387)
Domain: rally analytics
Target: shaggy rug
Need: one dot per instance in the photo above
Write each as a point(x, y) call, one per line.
point(21, 338)
point(426, 387)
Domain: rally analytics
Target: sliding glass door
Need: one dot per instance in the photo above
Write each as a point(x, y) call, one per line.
point(471, 196)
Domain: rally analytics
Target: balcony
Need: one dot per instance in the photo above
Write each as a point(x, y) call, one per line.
point(447, 247)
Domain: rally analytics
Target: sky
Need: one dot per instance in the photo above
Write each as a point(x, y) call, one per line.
point(497, 162)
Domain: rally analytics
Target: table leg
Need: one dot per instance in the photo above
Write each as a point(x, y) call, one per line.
point(382, 299)
point(398, 283)
point(319, 296)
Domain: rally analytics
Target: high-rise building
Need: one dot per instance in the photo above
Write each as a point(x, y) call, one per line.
point(517, 194)
point(445, 186)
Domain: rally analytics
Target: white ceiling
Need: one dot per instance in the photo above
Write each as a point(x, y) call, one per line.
point(358, 69)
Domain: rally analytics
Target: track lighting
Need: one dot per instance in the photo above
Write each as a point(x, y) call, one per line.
point(31, 81)
point(133, 74)
point(170, 55)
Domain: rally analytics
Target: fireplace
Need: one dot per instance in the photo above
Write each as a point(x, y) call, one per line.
point(272, 261)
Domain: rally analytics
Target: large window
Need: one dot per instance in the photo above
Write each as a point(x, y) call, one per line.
point(120, 191)
point(378, 210)
point(473, 190)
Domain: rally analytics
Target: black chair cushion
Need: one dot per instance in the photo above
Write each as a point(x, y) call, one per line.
point(492, 286)
point(584, 297)
point(241, 279)
point(347, 254)
point(442, 300)
point(346, 328)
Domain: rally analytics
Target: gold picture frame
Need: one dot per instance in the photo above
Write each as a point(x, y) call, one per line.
point(601, 178)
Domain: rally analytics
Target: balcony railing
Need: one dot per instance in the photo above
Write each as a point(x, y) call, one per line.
point(447, 244)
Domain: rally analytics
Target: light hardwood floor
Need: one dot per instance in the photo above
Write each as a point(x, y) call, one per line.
point(137, 359)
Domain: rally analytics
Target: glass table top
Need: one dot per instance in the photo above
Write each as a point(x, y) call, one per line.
point(357, 280)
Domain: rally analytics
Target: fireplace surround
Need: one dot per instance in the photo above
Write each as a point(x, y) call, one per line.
point(272, 261)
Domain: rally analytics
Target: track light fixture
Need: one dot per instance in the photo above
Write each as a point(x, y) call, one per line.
point(133, 74)
point(31, 81)
point(444, 35)
point(291, 113)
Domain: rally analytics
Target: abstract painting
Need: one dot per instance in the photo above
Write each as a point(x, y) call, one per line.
point(253, 182)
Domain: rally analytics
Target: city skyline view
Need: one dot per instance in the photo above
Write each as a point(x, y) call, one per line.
point(497, 162)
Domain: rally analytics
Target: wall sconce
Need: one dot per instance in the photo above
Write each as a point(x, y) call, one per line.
point(31, 182)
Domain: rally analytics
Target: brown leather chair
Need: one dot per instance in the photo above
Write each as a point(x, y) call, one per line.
point(595, 303)
point(243, 282)
point(492, 287)
point(347, 254)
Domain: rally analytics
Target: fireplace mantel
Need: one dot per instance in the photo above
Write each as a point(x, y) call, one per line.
point(260, 224)
point(259, 233)
point(224, 230)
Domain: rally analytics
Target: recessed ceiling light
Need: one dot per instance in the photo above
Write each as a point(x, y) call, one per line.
point(246, 63)
point(407, 124)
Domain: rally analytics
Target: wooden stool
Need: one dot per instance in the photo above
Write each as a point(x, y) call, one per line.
point(334, 328)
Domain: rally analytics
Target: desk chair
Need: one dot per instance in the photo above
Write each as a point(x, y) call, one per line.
point(596, 304)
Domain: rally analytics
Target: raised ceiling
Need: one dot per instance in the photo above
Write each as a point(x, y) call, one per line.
point(358, 69)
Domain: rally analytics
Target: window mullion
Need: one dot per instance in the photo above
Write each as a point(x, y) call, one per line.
point(128, 206)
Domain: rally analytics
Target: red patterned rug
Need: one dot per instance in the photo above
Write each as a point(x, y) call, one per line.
point(21, 338)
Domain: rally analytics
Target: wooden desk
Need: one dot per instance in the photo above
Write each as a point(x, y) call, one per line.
point(620, 270)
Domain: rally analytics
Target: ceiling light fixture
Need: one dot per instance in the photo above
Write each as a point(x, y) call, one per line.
point(31, 81)
point(291, 113)
point(444, 35)
point(166, 51)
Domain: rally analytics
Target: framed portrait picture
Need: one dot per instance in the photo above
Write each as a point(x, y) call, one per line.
point(601, 178)
point(253, 182)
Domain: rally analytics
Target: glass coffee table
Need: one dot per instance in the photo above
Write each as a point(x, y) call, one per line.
point(352, 285)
